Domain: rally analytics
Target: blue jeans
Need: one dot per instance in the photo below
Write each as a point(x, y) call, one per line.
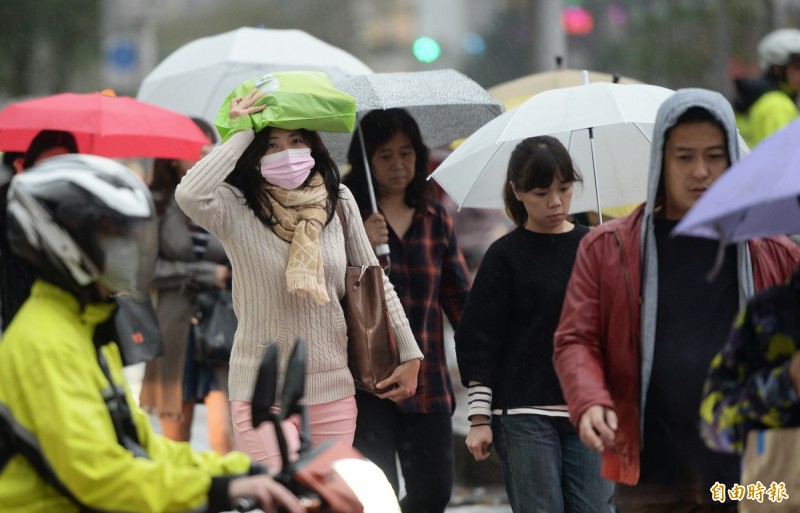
point(546, 468)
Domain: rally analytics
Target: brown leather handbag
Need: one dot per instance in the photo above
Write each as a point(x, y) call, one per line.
point(372, 353)
point(371, 348)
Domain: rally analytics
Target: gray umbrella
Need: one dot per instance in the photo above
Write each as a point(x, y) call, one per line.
point(446, 104)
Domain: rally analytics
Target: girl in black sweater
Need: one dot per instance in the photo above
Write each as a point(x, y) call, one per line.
point(504, 342)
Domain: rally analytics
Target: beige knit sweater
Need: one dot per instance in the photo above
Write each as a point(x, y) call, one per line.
point(267, 312)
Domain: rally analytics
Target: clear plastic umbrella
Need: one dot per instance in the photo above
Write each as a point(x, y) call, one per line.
point(606, 127)
point(514, 92)
point(196, 78)
point(446, 104)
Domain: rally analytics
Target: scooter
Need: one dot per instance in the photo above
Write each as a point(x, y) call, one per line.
point(329, 478)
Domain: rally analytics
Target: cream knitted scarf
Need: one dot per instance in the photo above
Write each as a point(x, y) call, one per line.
point(300, 216)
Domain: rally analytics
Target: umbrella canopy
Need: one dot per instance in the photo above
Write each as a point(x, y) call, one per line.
point(104, 125)
point(620, 118)
point(515, 92)
point(446, 104)
point(196, 78)
point(756, 197)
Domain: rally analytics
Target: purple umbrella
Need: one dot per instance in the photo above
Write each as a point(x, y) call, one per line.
point(756, 197)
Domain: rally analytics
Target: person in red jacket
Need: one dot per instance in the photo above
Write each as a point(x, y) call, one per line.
point(641, 322)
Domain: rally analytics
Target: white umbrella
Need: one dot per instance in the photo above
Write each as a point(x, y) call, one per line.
point(446, 104)
point(606, 127)
point(196, 78)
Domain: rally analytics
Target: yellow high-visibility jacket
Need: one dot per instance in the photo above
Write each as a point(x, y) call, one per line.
point(771, 112)
point(51, 382)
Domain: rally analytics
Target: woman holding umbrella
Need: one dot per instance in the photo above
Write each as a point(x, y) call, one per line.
point(504, 343)
point(430, 275)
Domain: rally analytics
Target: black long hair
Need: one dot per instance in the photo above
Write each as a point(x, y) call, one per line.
point(246, 175)
point(165, 172)
point(378, 127)
point(535, 163)
point(47, 140)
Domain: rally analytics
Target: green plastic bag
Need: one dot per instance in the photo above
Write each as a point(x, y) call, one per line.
point(294, 99)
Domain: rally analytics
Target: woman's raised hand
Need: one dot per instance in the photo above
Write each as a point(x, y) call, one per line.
point(243, 105)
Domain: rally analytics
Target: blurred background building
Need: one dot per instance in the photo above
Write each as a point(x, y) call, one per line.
point(51, 46)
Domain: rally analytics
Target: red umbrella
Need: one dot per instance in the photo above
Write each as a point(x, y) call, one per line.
point(111, 126)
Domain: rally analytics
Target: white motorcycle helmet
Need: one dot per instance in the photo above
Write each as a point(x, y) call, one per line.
point(778, 47)
point(84, 219)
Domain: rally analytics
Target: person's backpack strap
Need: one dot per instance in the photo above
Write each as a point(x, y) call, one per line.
point(120, 413)
point(16, 439)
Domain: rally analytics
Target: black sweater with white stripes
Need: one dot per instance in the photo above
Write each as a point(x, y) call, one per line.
point(504, 340)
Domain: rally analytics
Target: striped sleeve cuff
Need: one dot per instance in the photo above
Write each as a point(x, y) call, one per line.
point(479, 400)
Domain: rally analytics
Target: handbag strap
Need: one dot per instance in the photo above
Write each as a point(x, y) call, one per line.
point(343, 222)
point(342, 218)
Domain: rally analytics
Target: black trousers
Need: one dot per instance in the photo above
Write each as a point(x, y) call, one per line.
point(423, 442)
point(728, 507)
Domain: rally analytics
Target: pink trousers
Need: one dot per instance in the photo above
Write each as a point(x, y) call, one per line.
point(335, 420)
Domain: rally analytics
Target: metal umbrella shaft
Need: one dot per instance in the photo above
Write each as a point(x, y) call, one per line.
point(381, 250)
point(585, 76)
point(596, 181)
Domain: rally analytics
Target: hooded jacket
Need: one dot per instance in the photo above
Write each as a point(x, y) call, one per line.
point(605, 340)
point(54, 388)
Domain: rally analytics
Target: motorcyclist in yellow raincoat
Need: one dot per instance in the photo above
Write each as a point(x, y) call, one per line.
point(72, 437)
point(766, 104)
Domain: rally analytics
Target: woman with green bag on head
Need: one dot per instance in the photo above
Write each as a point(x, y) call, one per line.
point(269, 193)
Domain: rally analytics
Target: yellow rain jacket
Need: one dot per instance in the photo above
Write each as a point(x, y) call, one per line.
point(771, 112)
point(51, 382)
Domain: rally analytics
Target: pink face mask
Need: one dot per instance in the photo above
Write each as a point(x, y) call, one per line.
point(287, 169)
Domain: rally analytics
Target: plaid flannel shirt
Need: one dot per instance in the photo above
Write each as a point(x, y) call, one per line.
point(430, 276)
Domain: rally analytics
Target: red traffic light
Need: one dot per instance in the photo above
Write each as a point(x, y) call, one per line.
point(577, 21)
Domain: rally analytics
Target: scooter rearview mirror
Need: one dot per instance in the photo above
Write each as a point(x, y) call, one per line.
point(293, 391)
point(294, 383)
point(265, 392)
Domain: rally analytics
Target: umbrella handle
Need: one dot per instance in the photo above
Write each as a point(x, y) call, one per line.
point(385, 261)
point(382, 249)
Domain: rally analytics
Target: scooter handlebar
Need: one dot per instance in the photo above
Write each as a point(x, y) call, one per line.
point(244, 504)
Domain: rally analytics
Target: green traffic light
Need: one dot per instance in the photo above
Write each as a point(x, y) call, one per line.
point(426, 49)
